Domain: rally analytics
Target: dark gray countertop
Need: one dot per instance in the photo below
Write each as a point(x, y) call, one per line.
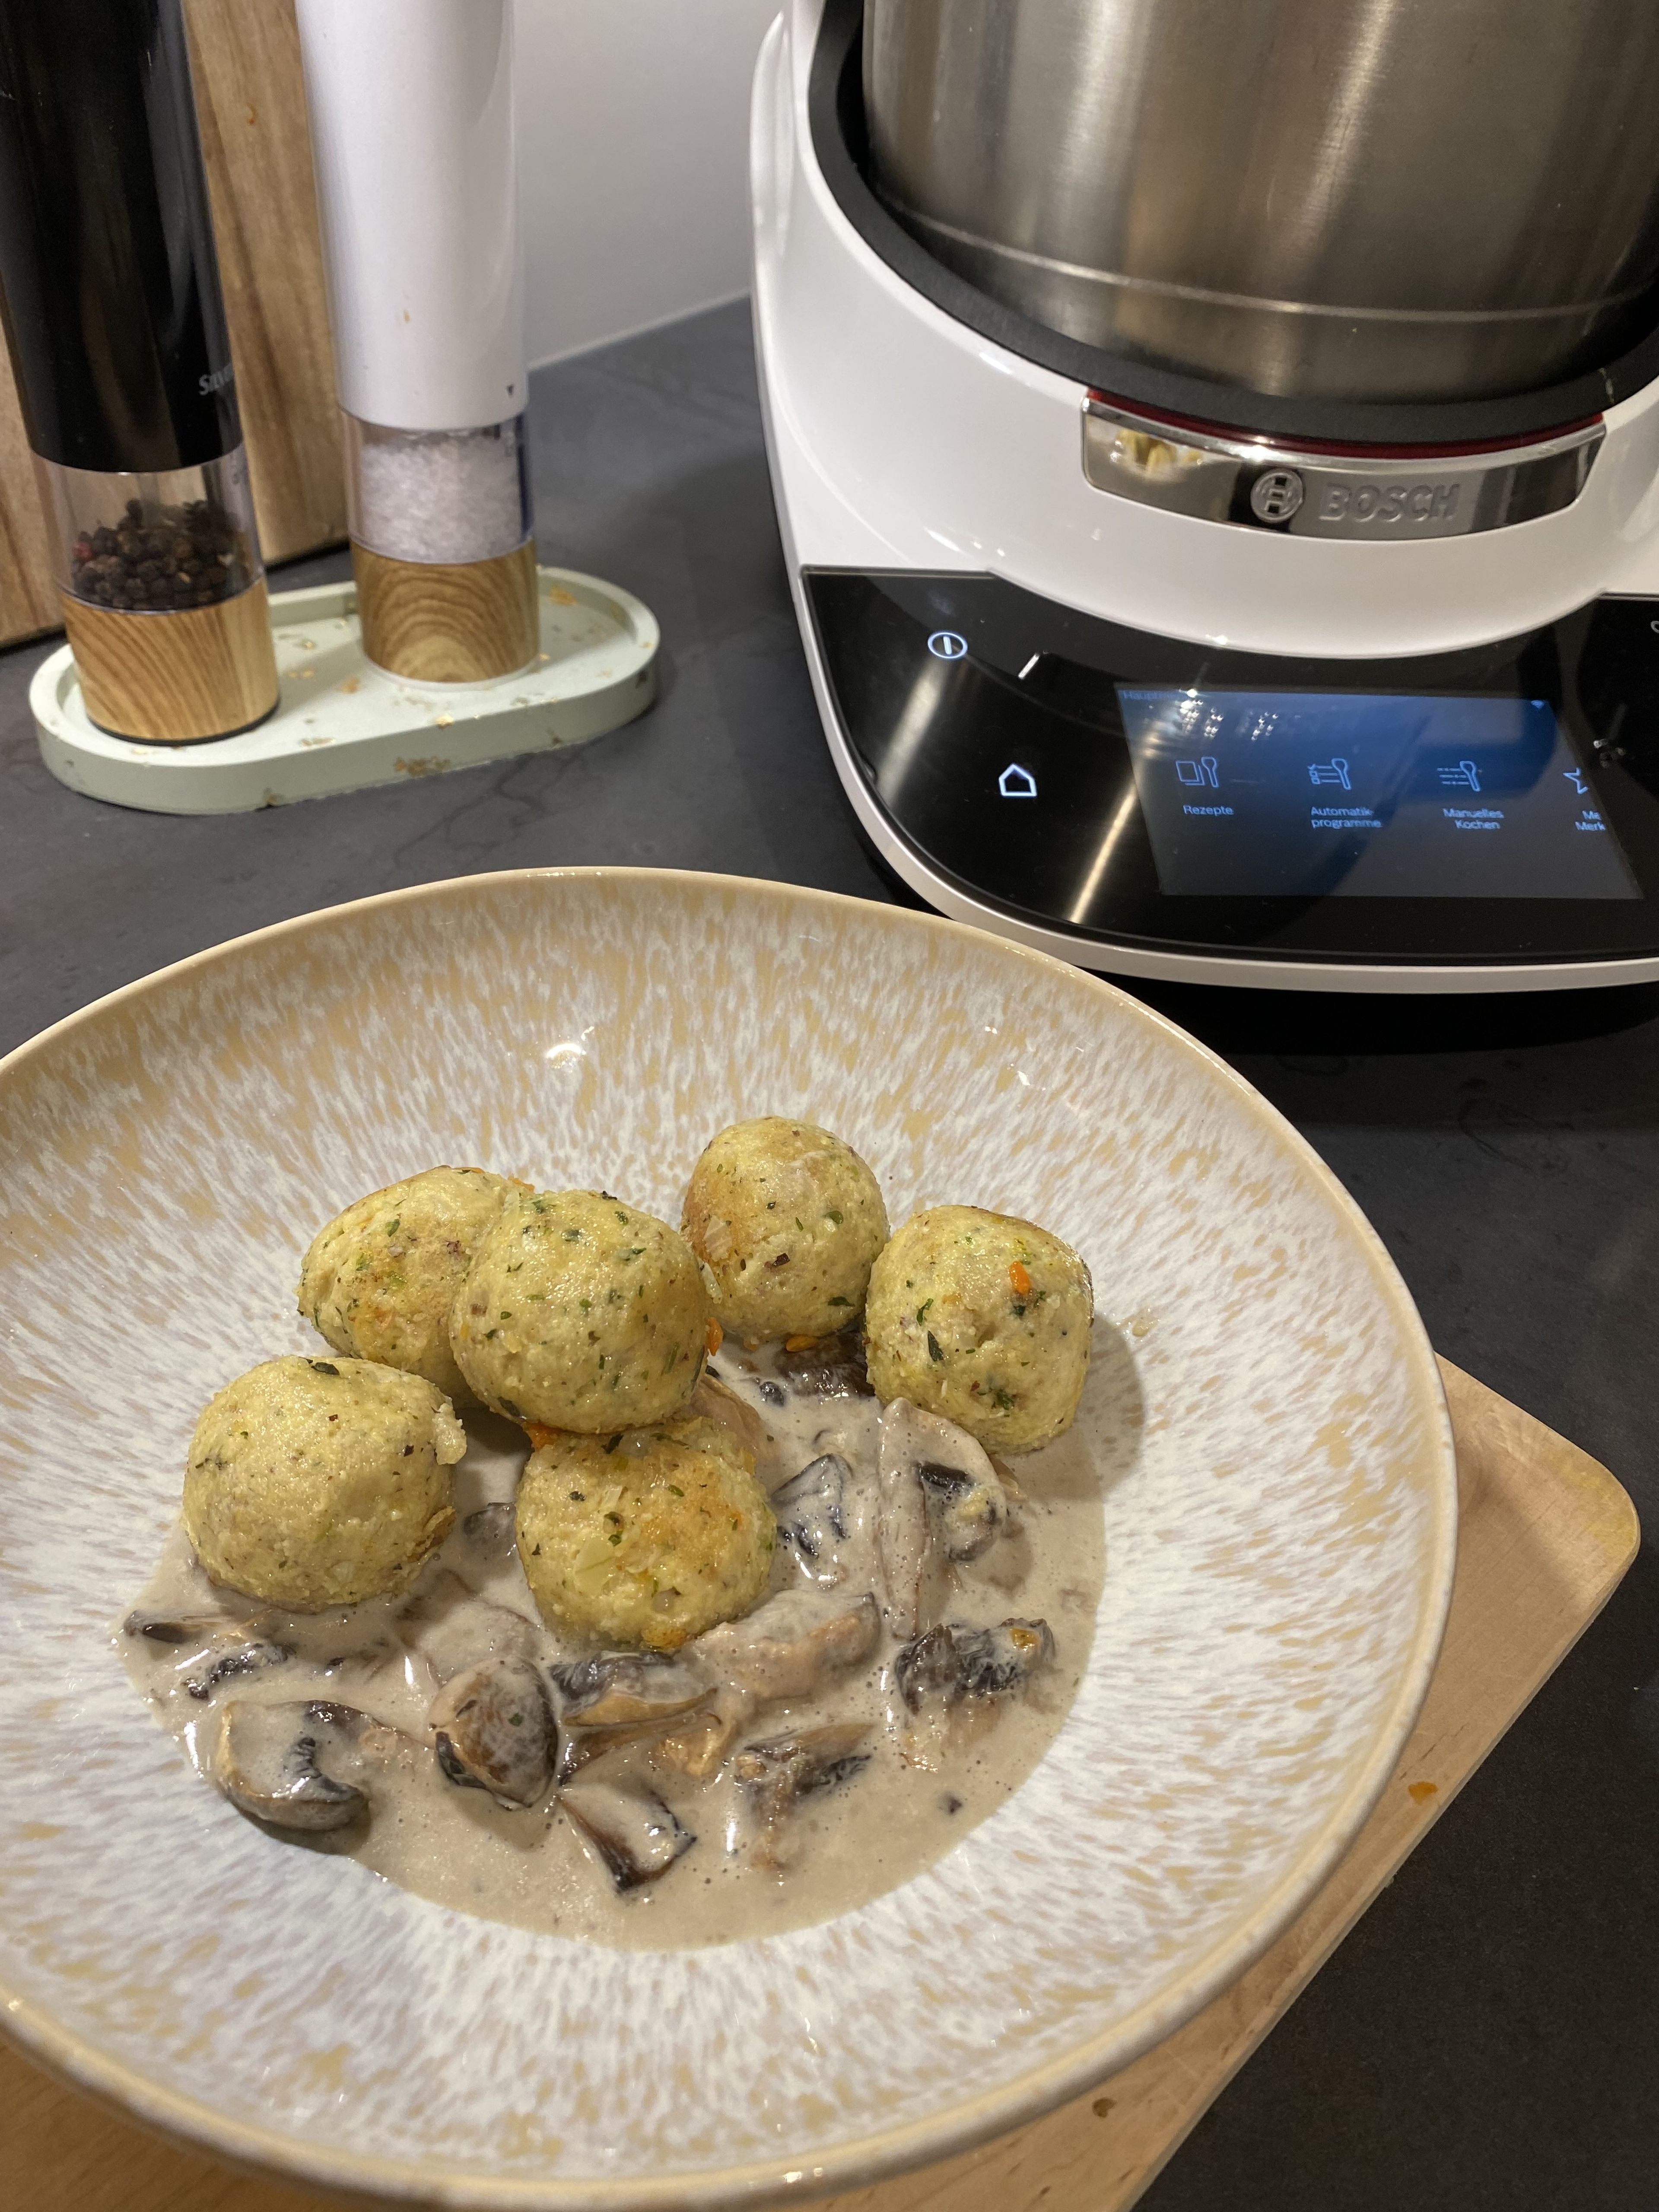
point(1487, 2036)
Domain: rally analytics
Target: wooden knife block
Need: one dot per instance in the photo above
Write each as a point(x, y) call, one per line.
point(257, 145)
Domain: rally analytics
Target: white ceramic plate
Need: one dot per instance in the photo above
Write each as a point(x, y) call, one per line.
point(1280, 1528)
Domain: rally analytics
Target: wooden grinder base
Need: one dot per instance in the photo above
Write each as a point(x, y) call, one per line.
point(177, 677)
point(447, 622)
point(1544, 1536)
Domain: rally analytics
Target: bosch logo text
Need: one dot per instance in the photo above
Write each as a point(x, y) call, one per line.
point(1390, 506)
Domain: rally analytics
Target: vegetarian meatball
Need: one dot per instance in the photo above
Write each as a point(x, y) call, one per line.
point(316, 1483)
point(580, 1312)
point(646, 1538)
point(984, 1319)
point(378, 1282)
point(787, 1219)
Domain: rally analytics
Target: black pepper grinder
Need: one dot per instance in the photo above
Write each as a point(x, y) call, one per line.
point(109, 289)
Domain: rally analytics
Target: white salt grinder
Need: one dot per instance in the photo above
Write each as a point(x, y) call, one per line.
point(411, 126)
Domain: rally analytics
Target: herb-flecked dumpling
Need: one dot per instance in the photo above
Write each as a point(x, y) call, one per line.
point(984, 1318)
point(788, 1219)
point(580, 1312)
point(378, 1282)
point(645, 1538)
point(316, 1483)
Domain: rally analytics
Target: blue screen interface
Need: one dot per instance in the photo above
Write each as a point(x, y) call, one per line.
point(1314, 795)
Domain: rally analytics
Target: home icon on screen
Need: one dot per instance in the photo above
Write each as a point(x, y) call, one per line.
point(1016, 782)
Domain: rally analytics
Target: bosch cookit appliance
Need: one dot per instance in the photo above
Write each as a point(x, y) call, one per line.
point(1216, 449)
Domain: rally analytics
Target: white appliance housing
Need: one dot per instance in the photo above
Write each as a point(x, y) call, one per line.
point(900, 439)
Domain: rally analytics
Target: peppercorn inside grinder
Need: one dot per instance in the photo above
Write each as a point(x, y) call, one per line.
point(411, 129)
point(109, 286)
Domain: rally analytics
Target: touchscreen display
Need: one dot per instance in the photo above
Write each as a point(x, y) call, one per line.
point(1315, 794)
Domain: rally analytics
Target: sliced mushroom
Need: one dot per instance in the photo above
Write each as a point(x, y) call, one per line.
point(909, 1576)
point(269, 1762)
point(829, 1366)
point(450, 1627)
point(365, 1660)
point(927, 1670)
point(490, 1531)
point(970, 1516)
point(942, 1506)
point(716, 1401)
point(234, 1662)
point(786, 1647)
point(492, 1729)
point(775, 1776)
point(636, 1836)
point(201, 1629)
point(966, 1502)
point(813, 1516)
point(952, 1662)
point(995, 1661)
point(613, 1688)
point(584, 1748)
point(695, 1746)
point(1013, 1490)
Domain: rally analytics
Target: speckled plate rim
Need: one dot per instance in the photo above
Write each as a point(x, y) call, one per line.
point(864, 2159)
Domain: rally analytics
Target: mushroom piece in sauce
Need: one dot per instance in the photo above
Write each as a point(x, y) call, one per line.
point(942, 1504)
point(716, 1400)
point(966, 1502)
point(269, 1762)
point(617, 1699)
point(202, 1629)
point(953, 1662)
point(775, 1776)
point(696, 1746)
point(784, 1648)
point(813, 1516)
point(584, 1748)
point(829, 1366)
point(234, 1661)
point(636, 1836)
point(367, 1659)
point(450, 1627)
point(489, 1530)
point(910, 1574)
point(492, 1729)
point(226, 1648)
point(613, 1688)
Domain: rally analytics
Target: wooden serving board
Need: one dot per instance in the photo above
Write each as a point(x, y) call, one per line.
point(1545, 1537)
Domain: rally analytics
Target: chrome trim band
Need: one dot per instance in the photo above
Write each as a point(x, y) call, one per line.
point(1162, 287)
point(1218, 477)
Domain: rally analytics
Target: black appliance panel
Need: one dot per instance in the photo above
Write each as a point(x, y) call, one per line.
point(1349, 795)
point(1502, 803)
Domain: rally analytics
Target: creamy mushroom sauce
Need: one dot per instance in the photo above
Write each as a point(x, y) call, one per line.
point(924, 1781)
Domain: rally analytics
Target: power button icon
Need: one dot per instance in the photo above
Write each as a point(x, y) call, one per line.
point(945, 645)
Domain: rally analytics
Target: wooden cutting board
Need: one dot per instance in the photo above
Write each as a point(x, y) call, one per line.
point(1545, 1537)
point(256, 143)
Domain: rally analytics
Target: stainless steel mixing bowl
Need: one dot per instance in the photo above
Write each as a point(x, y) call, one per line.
point(1347, 199)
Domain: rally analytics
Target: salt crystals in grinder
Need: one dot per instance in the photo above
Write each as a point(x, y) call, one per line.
point(110, 288)
point(411, 126)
